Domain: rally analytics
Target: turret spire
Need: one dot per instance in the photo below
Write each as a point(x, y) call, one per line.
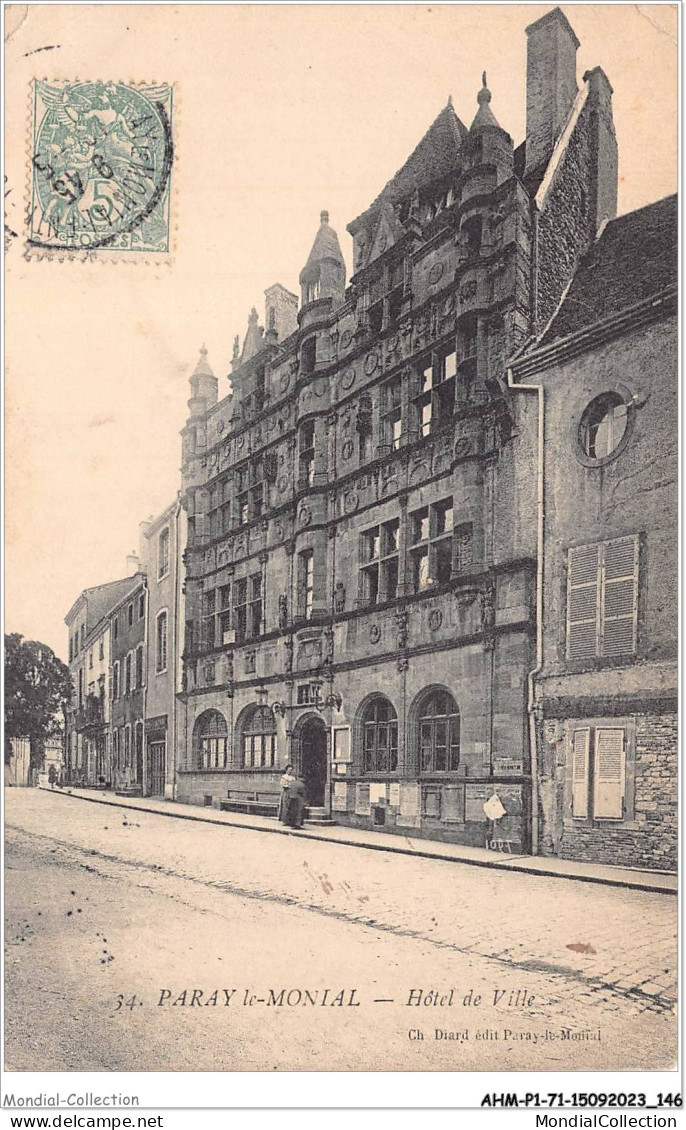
point(323, 276)
point(484, 115)
point(203, 367)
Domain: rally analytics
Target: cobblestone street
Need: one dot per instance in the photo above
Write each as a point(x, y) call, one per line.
point(190, 905)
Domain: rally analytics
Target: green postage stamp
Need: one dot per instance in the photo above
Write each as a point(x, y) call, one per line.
point(101, 162)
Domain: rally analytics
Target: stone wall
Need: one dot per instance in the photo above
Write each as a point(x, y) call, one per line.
point(651, 840)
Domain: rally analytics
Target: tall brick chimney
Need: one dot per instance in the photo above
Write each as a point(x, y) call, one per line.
point(550, 85)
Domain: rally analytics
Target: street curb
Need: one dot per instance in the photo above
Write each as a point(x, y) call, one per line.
point(494, 864)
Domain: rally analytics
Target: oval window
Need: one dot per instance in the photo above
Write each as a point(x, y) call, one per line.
point(603, 425)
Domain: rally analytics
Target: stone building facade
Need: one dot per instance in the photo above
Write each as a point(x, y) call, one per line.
point(360, 571)
point(88, 741)
point(606, 372)
point(127, 620)
point(162, 542)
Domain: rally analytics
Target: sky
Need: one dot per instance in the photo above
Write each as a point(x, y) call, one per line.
point(280, 111)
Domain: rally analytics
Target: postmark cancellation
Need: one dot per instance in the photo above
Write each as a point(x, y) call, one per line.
point(100, 170)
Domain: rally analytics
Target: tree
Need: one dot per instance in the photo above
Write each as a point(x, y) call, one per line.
point(37, 692)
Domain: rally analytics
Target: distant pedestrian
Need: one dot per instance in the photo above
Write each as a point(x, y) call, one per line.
point(288, 778)
point(295, 805)
point(52, 776)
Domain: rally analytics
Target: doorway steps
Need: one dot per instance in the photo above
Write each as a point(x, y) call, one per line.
point(318, 816)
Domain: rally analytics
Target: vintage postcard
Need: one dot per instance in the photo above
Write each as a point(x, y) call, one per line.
point(341, 553)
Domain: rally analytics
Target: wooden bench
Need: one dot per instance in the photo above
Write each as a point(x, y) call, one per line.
point(263, 803)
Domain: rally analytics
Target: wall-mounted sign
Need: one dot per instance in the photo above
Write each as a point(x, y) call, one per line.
point(341, 744)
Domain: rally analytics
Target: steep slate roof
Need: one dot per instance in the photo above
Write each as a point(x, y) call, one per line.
point(484, 115)
point(325, 246)
point(253, 340)
point(100, 598)
point(634, 258)
point(437, 154)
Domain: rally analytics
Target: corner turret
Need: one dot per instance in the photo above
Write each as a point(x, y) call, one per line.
point(204, 386)
point(323, 276)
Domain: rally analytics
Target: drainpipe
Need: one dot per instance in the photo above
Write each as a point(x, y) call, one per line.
point(535, 671)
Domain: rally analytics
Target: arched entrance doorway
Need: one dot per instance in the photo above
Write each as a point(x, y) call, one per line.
point(313, 756)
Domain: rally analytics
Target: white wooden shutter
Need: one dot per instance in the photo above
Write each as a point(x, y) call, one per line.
point(583, 617)
point(619, 596)
point(608, 790)
point(580, 747)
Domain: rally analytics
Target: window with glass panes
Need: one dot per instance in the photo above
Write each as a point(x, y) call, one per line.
point(224, 613)
point(251, 498)
point(225, 512)
point(379, 562)
point(247, 607)
point(242, 495)
point(127, 674)
point(433, 403)
point(391, 421)
point(306, 583)
point(306, 453)
point(259, 739)
point(210, 740)
point(439, 733)
point(161, 642)
point(209, 602)
point(445, 373)
point(380, 741)
point(421, 402)
point(163, 553)
point(215, 511)
point(258, 502)
point(139, 666)
point(430, 545)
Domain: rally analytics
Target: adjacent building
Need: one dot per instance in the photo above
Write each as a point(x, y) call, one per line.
point(162, 545)
point(127, 621)
point(604, 372)
point(362, 539)
point(88, 749)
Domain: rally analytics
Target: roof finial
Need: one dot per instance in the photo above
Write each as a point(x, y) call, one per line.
point(203, 350)
point(450, 99)
point(484, 94)
point(324, 216)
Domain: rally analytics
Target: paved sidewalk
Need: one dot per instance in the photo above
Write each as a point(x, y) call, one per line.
point(657, 881)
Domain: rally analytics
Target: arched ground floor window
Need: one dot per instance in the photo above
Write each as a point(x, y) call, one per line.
point(258, 738)
point(439, 733)
point(210, 741)
point(380, 736)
